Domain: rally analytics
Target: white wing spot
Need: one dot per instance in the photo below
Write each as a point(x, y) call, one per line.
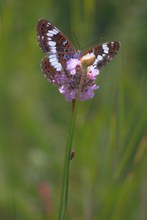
point(48, 24)
point(57, 66)
point(64, 42)
point(53, 56)
point(99, 57)
point(55, 31)
point(54, 62)
point(53, 49)
point(105, 48)
point(52, 43)
point(49, 34)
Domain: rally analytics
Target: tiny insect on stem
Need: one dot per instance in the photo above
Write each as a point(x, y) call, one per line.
point(72, 154)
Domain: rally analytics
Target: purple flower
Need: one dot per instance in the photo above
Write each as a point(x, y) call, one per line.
point(92, 72)
point(88, 93)
point(72, 64)
point(77, 79)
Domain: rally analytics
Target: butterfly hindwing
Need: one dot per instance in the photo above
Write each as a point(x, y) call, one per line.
point(104, 53)
point(48, 70)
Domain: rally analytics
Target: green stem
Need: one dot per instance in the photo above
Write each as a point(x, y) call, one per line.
point(65, 181)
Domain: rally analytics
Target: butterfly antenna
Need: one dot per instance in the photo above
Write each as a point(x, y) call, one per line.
point(93, 43)
point(75, 37)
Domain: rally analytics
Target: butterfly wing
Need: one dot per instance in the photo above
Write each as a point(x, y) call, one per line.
point(104, 53)
point(57, 47)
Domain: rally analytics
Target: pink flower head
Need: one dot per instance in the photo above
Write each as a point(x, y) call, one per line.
point(72, 64)
point(70, 87)
point(77, 78)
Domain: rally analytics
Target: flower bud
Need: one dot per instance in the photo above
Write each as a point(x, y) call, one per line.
point(88, 59)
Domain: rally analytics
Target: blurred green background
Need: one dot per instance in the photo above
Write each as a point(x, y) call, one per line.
point(108, 176)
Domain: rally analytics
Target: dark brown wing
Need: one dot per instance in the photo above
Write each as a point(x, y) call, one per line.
point(104, 53)
point(51, 40)
point(57, 47)
point(48, 70)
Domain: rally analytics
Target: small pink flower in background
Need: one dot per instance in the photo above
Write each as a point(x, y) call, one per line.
point(45, 194)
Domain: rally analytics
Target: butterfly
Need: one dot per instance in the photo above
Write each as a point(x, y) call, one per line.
point(59, 49)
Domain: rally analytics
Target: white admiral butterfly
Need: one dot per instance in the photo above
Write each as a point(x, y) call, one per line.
point(59, 50)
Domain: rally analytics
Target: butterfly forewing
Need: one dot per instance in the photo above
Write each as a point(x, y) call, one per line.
point(54, 43)
point(57, 47)
point(104, 53)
